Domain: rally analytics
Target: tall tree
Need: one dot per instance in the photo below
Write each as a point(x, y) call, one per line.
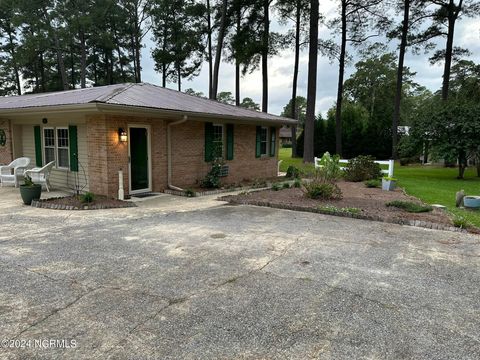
point(308, 149)
point(297, 12)
point(9, 66)
point(220, 42)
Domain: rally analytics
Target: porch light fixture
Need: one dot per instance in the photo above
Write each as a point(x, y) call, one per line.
point(122, 135)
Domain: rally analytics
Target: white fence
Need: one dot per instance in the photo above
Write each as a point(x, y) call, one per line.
point(390, 164)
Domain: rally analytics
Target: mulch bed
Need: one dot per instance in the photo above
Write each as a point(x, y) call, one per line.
point(73, 203)
point(370, 201)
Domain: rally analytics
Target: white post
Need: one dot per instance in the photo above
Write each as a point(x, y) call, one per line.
point(315, 162)
point(391, 163)
point(121, 192)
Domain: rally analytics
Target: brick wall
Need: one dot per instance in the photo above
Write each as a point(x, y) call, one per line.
point(106, 155)
point(6, 152)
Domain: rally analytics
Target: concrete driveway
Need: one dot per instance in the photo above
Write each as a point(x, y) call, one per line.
point(195, 278)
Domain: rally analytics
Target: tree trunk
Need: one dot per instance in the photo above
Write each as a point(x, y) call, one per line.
point(237, 64)
point(308, 150)
point(265, 47)
point(294, 114)
point(210, 60)
point(398, 90)
point(218, 53)
point(42, 73)
point(60, 61)
point(448, 51)
point(179, 77)
point(341, 72)
point(462, 164)
point(83, 60)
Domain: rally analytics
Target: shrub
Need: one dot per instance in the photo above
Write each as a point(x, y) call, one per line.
point(87, 198)
point(374, 183)
point(460, 222)
point(330, 167)
point(275, 186)
point(362, 168)
point(259, 183)
point(286, 185)
point(189, 193)
point(287, 145)
point(410, 206)
point(409, 160)
point(293, 172)
point(297, 183)
point(320, 189)
point(212, 179)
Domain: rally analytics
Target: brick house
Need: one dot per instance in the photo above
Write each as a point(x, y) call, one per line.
point(158, 137)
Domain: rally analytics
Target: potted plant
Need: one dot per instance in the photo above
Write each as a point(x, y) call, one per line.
point(30, 191)
point(389, 183)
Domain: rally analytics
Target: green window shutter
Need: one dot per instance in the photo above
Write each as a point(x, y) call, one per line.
point(258, 146)
point(73, 141)
point(273, 141)
point(208, 142)
point(230, 142)
point(38, 145)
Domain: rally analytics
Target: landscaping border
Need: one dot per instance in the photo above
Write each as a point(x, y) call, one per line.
point(45, 204)
point(415, 223)
point(212, 192)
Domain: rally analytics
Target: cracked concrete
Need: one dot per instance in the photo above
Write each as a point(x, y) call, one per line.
point(182, 278)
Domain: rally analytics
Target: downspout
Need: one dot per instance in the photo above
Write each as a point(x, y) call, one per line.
point(169, 152)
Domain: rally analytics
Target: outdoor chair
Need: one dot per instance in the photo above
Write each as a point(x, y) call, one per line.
point(13, 172)
point(41, 175)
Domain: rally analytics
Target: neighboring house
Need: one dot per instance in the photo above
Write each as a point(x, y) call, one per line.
point(158, 137)
point(285, 135)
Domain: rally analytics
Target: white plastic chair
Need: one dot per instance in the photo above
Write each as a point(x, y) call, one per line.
point(13, 172)
point(41, 175)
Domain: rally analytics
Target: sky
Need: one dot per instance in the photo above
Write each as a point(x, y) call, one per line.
point(467, 34)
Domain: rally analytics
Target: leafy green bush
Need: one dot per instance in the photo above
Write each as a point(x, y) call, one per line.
point(286, 185)
point(259, 183)
point(410, 206)
point(212, 179)
point(460, 222)
point(189, 193)
point(330, 167)
point(297, 183)
point(320, 189)
point(362, 168)
point(293, 172)
point(275, 186)
point(409, 160)
point(87, 198)
point(287, 145)
point(374, 183)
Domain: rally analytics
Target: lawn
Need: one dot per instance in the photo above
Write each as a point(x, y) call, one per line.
point(433, 185)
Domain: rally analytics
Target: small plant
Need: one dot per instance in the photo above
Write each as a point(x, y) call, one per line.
point(330, 166)
point(293, 172)
point(297, 183)
point(87, 198)
point(286, 185)
point(388, 178)
point(409, 206)
point(318, 189)
point(374, 183)
point(259, 183)
point(362, 168)
point(275, 187)
point(189, 193)
point(212, 179)
point(460, 222)
point(27, 181)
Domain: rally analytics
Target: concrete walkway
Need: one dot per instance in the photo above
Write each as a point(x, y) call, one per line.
point(180, 278)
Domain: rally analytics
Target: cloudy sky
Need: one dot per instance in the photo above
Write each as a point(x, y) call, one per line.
point(281, 67)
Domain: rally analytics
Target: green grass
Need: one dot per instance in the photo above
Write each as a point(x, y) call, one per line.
point(432, 185)
point(410, 206)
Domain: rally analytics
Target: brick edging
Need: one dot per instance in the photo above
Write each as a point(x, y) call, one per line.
point(46, 204)
point(415, 223)
point(211, 192)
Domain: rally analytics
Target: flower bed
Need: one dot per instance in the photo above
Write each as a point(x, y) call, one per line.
point(73, 203)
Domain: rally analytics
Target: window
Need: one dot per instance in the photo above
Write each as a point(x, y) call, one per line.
point(56, 146)
point(218, 140)
point(62, 148)
point(49, 144)
point(263, 141)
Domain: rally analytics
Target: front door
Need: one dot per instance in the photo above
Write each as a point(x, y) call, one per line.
point(139, 146)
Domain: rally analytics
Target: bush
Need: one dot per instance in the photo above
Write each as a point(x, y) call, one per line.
point(374, 183)
point(362, 168)
point(212, 179)
point(330, 167)
point(320, 189)
point(409, 160)
point(189, 193)
point(409, 206)
point(460, 222)
point(286, 185)
point(293, 172)
point(297, 183)
point(275, 186)
point(87, 198)
point(287, 145)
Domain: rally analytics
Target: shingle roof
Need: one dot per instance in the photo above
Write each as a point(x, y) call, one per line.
point(142, 95)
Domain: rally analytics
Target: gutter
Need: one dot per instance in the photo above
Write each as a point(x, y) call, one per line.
point(169, 152)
